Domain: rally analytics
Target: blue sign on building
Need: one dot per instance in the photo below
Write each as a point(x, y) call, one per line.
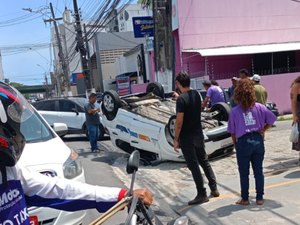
point(143, 26)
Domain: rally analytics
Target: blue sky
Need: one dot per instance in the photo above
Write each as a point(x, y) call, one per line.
point(30, 67)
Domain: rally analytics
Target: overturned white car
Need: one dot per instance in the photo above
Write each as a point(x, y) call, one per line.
point(146, 122)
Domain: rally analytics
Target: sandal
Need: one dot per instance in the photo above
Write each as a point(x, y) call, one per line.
point(242, 202)
point(260, 202)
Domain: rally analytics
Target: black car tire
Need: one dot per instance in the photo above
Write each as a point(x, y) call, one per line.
point(171, 126)
point(223, 109)
point(110, 104)
point(156, 88)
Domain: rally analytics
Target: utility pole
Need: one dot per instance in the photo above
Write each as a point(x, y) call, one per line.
point(88, 56)
point(80, 47)
point(61, 53)
point(163, 43)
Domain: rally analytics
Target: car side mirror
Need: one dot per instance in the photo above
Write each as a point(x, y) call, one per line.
point(133, 162)
point(60, 129)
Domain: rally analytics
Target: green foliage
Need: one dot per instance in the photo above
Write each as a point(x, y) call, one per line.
point(15, 84)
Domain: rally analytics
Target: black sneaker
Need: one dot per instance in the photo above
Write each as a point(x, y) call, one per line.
point(215, 193)
point(198, 200)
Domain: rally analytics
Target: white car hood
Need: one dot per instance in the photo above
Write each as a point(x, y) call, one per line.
point(53, 151)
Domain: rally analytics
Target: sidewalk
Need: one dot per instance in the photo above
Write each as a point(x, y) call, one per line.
point(281, 203)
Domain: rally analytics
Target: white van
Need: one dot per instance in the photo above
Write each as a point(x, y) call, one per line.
point(46, 153)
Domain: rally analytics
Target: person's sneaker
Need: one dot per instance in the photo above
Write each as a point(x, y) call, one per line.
point(198, 200)
point(215, 193)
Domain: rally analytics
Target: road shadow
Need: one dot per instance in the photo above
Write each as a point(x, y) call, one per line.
point(75, 138)
point(293, 175)
point(281, 166)
point(228, 210)
point(201, 215)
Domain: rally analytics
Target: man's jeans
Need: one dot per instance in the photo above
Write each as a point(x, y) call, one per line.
point(193, 150)
point(250, 148)
point(93, 136)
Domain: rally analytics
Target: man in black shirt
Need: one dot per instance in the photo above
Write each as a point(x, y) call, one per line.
point(189, 137)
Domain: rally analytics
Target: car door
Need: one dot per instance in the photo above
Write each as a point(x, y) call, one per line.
point(70, 114)
point(48, 109)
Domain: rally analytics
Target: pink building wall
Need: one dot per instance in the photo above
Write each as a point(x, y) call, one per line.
point(218, 67)
point(278, 87)
point(215, 23)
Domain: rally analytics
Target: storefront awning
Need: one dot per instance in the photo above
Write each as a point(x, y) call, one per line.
point(246, 49)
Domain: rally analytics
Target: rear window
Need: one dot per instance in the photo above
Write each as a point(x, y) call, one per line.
point(45, 105)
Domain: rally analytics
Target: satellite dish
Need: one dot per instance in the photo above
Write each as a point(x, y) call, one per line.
point(67, 17)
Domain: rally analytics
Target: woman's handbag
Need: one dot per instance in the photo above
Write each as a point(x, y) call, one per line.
point(294, 136)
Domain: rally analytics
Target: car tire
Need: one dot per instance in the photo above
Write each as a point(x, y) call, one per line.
point(223, 109)
point(171, 126)
point(156, 88)
point(110, 104)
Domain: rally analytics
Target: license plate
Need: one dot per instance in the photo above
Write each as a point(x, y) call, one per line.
point(34, 220)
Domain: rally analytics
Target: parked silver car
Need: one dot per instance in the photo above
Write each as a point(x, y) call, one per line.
point(66, 110)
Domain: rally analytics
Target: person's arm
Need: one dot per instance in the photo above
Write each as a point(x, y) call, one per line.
point(178, 126)
point(68, 195)
point(231, 127)
point(270, 119)
point(265, 128)
point(233, 137)
point(205, 101)
point(294, 93)
point(93, 111)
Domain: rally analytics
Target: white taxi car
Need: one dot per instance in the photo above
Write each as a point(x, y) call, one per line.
point(146, 122)
point(46, 153)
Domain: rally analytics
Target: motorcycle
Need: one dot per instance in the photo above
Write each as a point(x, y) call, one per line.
point(138, 212)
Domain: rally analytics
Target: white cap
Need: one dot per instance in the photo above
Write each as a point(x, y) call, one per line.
point(255, 77)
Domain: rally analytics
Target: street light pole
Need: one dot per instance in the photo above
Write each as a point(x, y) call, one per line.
point(46, 80)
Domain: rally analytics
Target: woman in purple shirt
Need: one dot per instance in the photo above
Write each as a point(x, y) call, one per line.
point(247, 124)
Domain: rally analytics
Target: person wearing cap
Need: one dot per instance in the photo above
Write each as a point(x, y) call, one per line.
point(260, 91)
point(234, 81)
point(214, 94)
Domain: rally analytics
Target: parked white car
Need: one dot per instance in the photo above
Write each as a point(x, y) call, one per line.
point(66, 110)
point(146, 122)
point(46, 153)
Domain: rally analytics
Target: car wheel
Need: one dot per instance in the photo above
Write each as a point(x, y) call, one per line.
point(223, 110)
point(156, 88)
point(171, 126)
point(110, 104)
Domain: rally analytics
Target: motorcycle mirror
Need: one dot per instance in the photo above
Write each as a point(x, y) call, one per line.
point(133, 162)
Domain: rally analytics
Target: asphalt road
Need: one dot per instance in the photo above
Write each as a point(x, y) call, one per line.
point(97, 171)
